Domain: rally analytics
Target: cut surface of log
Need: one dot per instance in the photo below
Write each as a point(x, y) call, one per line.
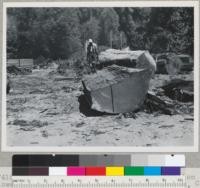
point(114, 55)
point(117, 89)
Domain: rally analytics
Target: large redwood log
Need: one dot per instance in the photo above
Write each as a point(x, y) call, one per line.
point(118, 89)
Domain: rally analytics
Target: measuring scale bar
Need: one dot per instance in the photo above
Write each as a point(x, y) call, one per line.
point(190, 178)
point(99, 182)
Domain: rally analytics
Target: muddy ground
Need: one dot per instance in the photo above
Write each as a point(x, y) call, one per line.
point(43, 110)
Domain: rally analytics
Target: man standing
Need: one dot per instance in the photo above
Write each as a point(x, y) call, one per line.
point(92, 54)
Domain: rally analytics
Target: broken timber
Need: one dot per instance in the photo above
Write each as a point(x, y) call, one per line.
point(153, 103)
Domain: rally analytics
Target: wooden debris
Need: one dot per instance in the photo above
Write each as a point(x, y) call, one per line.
point(180, 90)
point(64, 78)
point(153, 103)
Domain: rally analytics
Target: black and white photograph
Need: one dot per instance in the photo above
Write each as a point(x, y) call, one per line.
point(100, 76)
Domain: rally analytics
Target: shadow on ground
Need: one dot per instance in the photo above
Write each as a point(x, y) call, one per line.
point(85, 108)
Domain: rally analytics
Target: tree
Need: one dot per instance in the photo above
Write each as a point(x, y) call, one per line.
point(182, 21)
point(48, 32)
point(170, 29)
point(90, 29)
point(60, 32)
point(64, 33)
point(23, 25)
point(109, 24)
point(85, 14)
point(11, 36)
point(132, 23)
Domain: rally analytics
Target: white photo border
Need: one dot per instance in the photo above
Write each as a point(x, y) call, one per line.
point(105, 149)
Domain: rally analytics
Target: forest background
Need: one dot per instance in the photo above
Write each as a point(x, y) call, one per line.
point(60, 33)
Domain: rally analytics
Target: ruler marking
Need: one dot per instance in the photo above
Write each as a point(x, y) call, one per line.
point(187, 180)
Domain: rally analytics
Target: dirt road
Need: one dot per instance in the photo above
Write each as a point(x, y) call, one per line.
point(43, 110)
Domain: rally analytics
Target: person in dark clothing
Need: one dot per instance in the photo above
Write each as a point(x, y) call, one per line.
point(92, 54)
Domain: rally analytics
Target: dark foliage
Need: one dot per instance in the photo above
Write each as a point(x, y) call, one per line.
point(58, 33)
point(158, 29)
